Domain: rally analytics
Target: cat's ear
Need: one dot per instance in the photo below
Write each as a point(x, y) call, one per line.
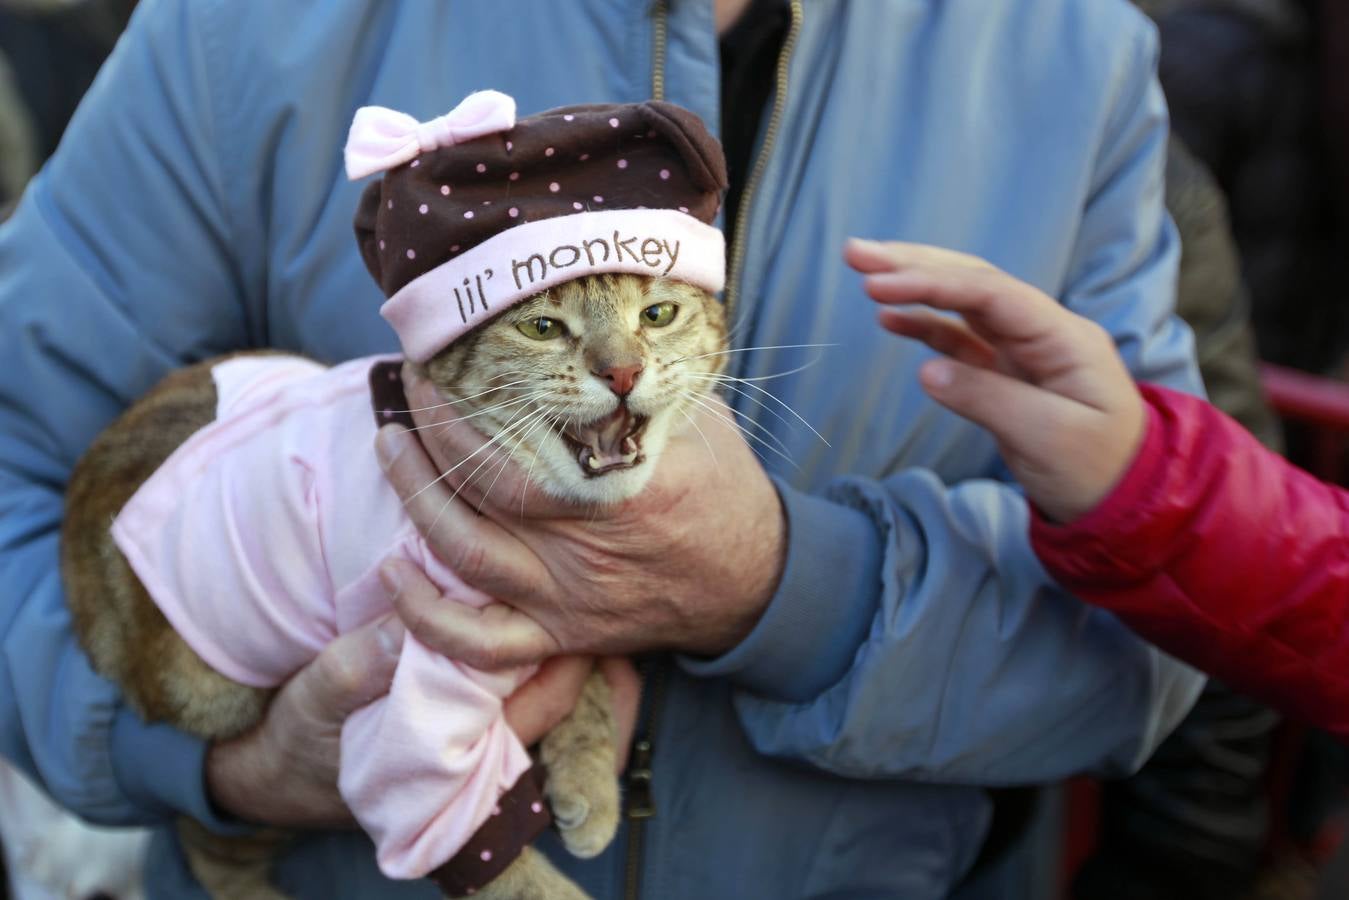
point(367, 218)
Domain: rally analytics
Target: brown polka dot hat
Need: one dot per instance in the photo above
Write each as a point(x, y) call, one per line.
point(476, 211)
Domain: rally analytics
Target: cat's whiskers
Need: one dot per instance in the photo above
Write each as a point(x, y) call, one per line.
point(716, 463)
point(744, 420)
point(519, 422)
point(490, 390)
point(529, 475)
point(500, 435)
point(747, 349)
point(518, 425)
point(516, 401)
point(729, 382)
point(716, 413)
point(506, 461)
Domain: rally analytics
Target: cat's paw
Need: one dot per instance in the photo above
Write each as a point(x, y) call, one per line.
point(585, 809)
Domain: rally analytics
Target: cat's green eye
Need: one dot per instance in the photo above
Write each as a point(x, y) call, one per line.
point(658, 315)
point(542, 328)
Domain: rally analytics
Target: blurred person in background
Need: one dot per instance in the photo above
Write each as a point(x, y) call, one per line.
point(50, 51)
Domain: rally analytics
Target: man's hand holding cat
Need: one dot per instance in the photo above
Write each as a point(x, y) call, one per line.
point(284, 772)
point(689, 564)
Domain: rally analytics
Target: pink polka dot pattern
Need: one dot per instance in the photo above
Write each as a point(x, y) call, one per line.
point(536, 807)
point(485, 856)
point(415, 163)
point(459, 197)
point(412, 254)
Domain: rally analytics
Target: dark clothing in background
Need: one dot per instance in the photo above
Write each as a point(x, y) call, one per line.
point(749, 56)
point(1244, 85)
point(48, 58)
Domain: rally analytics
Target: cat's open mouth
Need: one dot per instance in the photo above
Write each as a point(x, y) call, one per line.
point(608, 444)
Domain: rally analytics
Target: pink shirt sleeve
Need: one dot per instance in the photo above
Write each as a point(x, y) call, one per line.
point(423, 767)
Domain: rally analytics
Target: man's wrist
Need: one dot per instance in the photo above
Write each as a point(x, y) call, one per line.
point(762, 560)
point(236, 777)
point(822, 607)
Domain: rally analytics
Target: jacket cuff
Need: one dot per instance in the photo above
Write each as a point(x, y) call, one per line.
point(162, 769)
point(1126, 535)
point(822, 610)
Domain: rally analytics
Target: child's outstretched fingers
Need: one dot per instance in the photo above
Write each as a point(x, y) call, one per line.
point(949, 337)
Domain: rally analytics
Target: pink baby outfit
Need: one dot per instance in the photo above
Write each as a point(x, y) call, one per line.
point(261, 538)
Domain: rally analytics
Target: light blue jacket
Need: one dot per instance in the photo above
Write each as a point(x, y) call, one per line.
point(915, 649)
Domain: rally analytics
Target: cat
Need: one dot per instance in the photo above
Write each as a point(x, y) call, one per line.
point(613, 364)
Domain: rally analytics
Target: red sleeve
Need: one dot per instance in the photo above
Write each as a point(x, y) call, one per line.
point(1222, 554)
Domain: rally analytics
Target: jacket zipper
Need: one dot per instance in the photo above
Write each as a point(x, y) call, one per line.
point(640, 798)
point(734, 274)
point(658, 33)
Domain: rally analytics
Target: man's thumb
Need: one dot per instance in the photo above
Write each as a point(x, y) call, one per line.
point(357, 668)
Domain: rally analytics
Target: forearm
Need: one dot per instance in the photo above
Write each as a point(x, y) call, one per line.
point(1221, 552)
point(943, 653)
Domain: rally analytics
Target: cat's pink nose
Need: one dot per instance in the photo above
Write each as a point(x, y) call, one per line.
point(622, 379)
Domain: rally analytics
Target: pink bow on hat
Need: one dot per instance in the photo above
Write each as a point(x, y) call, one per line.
point(381, 138)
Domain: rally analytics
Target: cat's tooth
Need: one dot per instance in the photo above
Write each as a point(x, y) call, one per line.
point(594, 463)
point(629, 445)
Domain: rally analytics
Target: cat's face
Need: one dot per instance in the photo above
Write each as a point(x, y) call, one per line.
point(584, 383)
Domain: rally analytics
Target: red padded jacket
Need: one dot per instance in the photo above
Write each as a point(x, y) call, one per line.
point(1224, 555)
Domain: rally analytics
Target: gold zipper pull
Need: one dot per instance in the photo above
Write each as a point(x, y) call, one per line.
point(641, 799)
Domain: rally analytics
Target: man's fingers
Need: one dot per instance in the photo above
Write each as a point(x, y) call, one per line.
point(538, 705)
point(355, 669)
point(948, 337)
point(625, 689)
point(496, 636)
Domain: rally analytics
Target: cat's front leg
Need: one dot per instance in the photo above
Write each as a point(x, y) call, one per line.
point(582, 786)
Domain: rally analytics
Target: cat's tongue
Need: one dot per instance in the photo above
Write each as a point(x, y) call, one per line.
point(611, 442)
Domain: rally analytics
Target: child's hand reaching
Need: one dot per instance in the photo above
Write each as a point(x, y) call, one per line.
point(1046, 382)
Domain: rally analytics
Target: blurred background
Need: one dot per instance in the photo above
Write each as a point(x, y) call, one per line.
point(1237, 805)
